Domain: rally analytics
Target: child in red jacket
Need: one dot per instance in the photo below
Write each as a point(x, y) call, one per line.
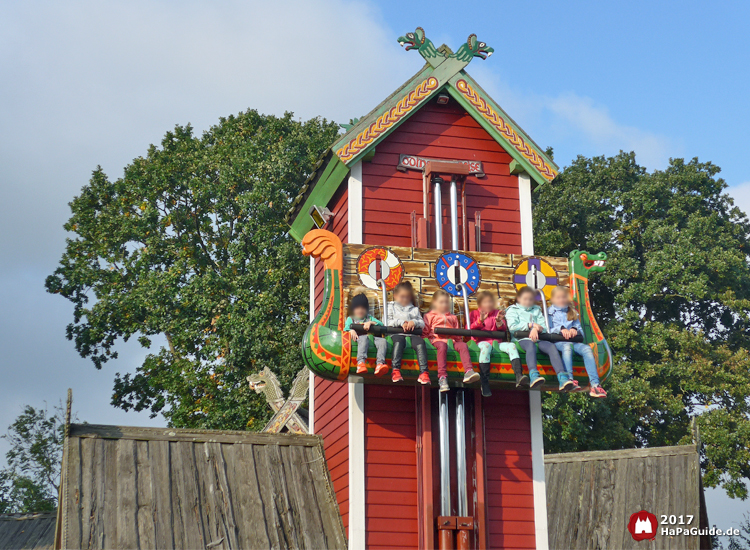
point(440, 316)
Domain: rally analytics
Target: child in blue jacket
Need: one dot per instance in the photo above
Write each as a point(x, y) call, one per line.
point(563, 319)
point(526, 316)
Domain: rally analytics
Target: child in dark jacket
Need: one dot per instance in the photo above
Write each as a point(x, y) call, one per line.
point(403, 312)
point(359, 314)
point(488, 317)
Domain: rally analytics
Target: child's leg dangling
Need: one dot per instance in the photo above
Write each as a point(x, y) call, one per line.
point(485, 350)
point(417, 344)
point(442, 361)
point(530, 348)
point(515, 362)
point(463, 351)
point(363, 344)
point(566, 383)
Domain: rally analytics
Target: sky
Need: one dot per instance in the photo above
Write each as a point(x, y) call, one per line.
point(94, 83)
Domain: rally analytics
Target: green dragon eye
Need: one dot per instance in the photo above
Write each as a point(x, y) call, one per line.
point(482, 44)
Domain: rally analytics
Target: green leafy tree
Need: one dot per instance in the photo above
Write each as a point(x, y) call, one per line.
point(673, 302)
point(31, 479)
point(189, 253)
point(735, 542)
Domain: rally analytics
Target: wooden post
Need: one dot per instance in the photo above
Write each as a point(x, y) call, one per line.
point(425, 492)
point(464, 528)
point(446, 528)
point(464, 226)
point(481, 535)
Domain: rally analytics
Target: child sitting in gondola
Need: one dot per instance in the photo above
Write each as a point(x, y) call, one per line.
point(440, 316)
point(359, 314)
point(563, 319)
point(488, 317)
point(403, 312)
point(526, 316)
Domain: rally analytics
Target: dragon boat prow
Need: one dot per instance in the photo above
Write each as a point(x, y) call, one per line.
point(329, 352)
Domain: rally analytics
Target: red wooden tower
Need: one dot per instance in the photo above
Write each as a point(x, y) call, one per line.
point(383, 440)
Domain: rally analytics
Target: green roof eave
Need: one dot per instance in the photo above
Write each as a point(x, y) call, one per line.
point(330, 180)
point(385, 105)
point(516, 155)
point(442, 73)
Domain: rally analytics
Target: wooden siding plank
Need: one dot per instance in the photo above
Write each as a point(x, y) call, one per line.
point(391, 457)
point(389, 444)
point(73, 505)
point(187, 513)
point(220, 520)
point(127, 500)
point(407, 431)
point(392, 525)
point(333, 529)
point(166, 533)
point(301, 489)
point(248, 505)
point(109, 513)
point(146, 530)
point(392, 540)
point(389, 510)
point(273, 516)
point(92, 493)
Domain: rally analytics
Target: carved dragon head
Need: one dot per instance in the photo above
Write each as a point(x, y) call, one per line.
point(473, 48)
point(584, 263)
point(413, 40)
point(479, 49)
point(266, 382)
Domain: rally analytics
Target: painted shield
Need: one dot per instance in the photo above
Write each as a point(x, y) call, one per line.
point(456, 268)
point(537, 274)
point(372, 259)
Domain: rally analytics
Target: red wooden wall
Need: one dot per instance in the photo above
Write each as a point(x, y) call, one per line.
point(444, 132)
point(390, 467)
point(332, 398)
point(510, 493)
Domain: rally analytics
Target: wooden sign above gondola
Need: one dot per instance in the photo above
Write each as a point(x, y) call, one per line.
point(413, 162)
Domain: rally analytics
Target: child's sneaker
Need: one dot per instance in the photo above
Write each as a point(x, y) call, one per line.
point(443, 384)
point(597, 391)
point(396, 376)
point(470, 377)
point(381, 369)
point(536, 380)
point(566, 384)
point(576, 387)
point(424, 378)
point(361, 367)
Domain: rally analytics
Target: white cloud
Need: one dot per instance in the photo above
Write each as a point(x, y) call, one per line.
point(598, 127)
point(741, 195)
point(88, 83)
point(574, 124)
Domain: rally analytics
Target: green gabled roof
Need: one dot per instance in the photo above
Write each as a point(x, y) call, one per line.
point(444, 71)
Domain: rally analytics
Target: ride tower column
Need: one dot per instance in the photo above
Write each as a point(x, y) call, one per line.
point(454, 530)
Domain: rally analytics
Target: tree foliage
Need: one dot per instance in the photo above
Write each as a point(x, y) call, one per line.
point(673, 302)
point(31, 479)
point(189, 253)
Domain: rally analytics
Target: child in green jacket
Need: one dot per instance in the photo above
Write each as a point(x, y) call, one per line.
point(359, 314)
point(524, 316)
